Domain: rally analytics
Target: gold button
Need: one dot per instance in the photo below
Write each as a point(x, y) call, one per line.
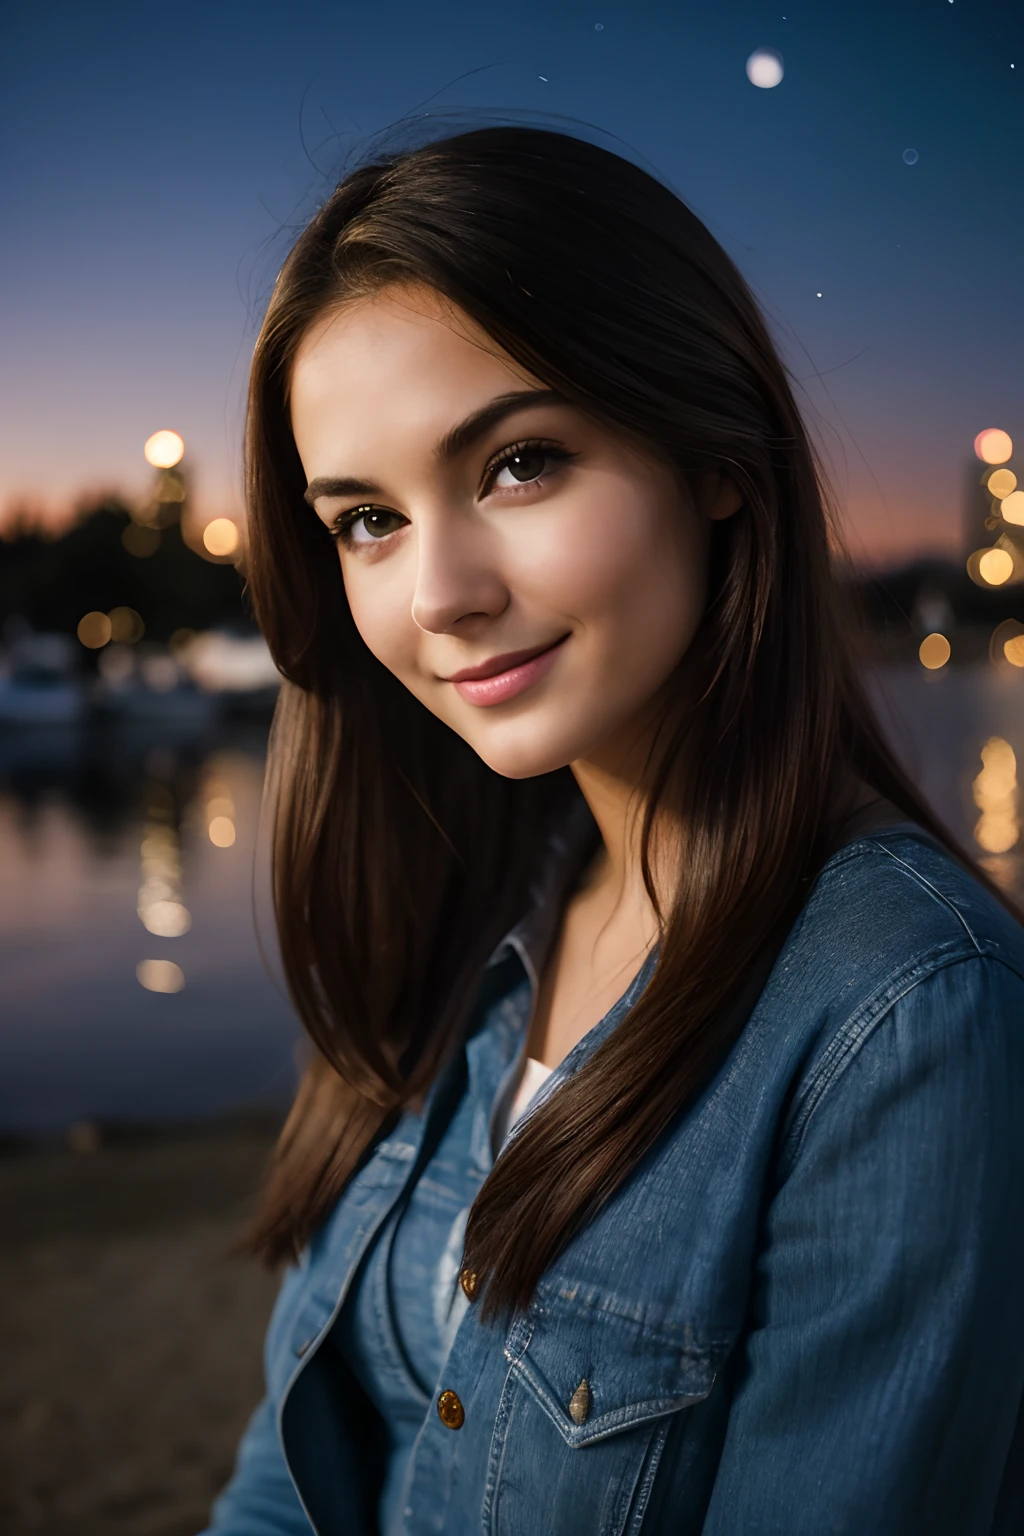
point(469, 1280)
point(450, 1410)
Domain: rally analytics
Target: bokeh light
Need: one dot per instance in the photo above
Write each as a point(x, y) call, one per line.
point(222, 831)
point(1004, 634)
point(126, 627)
point(993, 446)
point(171, 487)
point(1001, 482)
point(221, 536)
point(160, 975)
point(94, 630)
point(160, 908)
point(764, 68)
point(910, 157)
point(934, 652)
point(139, 541)
point(161, 673)
point(165, 919)
point(1011, 507)
point(180, 640)
point(995, 567)
point(995, 795)
point(117, 665)
point(165, 449)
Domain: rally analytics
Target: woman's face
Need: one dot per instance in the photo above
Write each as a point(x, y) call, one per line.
point(528, 574)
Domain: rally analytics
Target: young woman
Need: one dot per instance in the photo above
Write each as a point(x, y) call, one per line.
point(657, 1165)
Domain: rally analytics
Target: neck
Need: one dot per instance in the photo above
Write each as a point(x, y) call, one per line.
point(612, 783)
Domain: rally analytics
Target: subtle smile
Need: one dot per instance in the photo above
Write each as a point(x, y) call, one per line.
point(504, 677)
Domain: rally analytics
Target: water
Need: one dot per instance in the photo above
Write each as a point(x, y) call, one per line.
point(90, 818)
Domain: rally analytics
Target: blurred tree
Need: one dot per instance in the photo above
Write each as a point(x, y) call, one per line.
point(49, 583)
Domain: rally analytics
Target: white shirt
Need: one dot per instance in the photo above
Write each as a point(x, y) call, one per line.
point(534, 1074)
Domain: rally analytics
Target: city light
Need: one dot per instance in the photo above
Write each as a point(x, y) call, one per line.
point(165, 919)
point(220, 813)
point(160, 909)
point(1001, 482)
point(221, 536)
point(1012, 507)
point(126, 627)
point(165, 449)
point(934, 651)
point(222, 832)
point(993, 446)
point(995, 795)
point(995, 567)
point(180, 641)
point(160, 975)
point(1006, 644)
point(94, 630)
point(161, 673)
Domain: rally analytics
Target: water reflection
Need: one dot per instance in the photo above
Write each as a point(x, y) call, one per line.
point(132, 881)
point(130, 878)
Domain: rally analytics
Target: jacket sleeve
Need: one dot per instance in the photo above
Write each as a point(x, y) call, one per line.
point(882, 1374)
point(260, 1499)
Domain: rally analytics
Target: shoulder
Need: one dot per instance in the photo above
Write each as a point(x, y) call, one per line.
point(891, 908)
point(899, 953)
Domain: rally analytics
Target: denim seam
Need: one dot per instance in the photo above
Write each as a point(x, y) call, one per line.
point(708, 1345)
point(641, 1411)
point(860, 1025)
point(652, 1463)
point(496, 1452)
point(944, 901)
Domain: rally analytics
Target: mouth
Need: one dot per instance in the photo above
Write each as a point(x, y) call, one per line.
point(504, 677)
point(496, 665)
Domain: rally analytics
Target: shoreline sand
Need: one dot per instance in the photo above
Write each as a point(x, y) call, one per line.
point(131, 1337)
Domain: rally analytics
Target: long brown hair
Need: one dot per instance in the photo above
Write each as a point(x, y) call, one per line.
point(400, 858)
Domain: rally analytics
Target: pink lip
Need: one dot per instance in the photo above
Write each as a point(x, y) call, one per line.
point(503, 677)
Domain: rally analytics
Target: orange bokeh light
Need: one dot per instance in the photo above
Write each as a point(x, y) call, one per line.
point(1012, 507)
point(996, 567)
point(164, 449)
point(934, 652)
point(221, 536)
point(993, 446)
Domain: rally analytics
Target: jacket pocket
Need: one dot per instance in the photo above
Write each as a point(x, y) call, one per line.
point(590, 1394)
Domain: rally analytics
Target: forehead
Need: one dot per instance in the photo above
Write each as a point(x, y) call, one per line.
point(401, 357)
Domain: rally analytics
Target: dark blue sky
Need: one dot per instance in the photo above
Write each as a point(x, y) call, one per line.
point(155, 159)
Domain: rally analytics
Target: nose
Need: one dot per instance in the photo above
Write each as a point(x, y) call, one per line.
point(457, 576)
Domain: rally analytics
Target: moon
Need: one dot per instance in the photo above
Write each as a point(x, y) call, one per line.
point(764, 68)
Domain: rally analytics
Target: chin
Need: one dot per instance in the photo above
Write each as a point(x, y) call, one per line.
point(522, 759)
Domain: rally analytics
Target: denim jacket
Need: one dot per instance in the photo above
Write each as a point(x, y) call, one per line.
point(802, 1314)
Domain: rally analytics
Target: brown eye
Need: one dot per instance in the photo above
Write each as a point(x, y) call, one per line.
point(379, 524)
point(526, 464)
point(365, 525)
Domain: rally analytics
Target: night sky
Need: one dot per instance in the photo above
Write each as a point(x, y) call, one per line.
point(156, 161)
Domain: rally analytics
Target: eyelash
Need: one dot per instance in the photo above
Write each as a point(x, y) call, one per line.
point(343, 523)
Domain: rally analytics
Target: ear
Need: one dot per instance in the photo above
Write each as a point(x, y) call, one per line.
point(722, 497)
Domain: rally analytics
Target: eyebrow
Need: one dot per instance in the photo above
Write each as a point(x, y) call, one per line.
point(455, 442)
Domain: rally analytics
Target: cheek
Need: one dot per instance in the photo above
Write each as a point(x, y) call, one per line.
point(633, 572)
point(380, 610)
